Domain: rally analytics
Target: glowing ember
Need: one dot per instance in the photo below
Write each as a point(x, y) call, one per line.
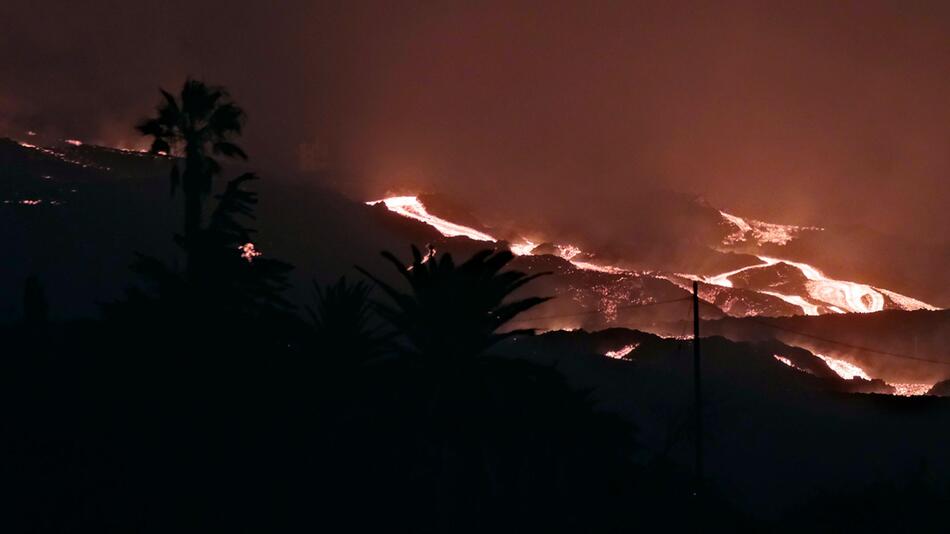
point(248, 252)
point(620, 353)
point(911, 390)
point(845, 370)
point(74, 142)
point(430, 254)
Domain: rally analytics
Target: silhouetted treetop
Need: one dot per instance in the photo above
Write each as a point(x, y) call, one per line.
point(455, 311)
point(201, 119)
point(199, 125)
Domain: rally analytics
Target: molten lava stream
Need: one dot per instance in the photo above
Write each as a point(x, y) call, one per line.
point(839, 296)
point(412, 207)
point(850, 371)
point(845, 370)
point(623, 351)
point(850, 296)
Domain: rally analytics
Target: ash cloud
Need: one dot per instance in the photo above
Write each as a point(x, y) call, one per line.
point(545, 112)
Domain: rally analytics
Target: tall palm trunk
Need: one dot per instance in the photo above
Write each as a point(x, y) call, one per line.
point(192, 186)
point(192, 228)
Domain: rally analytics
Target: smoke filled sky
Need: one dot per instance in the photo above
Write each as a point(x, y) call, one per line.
point(828, 112)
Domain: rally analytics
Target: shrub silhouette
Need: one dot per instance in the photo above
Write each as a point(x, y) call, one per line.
point(344, 326)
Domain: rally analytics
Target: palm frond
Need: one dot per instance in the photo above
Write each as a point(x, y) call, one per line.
point(199, 100)
point(229, 150)
point(225, 119)
point(453, 311)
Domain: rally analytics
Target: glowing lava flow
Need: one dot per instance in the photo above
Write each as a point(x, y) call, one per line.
point(789, 363)
point(761, 232)
point(839, 296)
point(412, 207)
point(784, 360)
point(821, 293)
point(906, 302)
point(807, 307)
point(845, 370)
point(850, 296)
point(61, 156)
point(849, 371)
point(523, 249)
point(620, 353)
point(911, 390)
point(836, 295)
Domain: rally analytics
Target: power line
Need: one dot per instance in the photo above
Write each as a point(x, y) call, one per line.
point(750, 319)
point(844, 344)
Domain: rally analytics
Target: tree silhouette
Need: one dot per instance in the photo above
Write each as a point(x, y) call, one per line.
point(257, 282)
point(486, 441)
point(343, 324)
point(199, 126)
point(453, 312)
point(222, 281)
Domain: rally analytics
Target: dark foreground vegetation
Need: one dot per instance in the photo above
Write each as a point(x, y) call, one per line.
point(204, 401)
point(178, 416)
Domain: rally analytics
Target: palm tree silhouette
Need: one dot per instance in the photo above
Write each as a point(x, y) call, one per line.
point(199, 126)
point(453, 312)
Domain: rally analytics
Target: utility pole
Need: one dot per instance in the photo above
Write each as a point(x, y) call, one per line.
point(697, 391)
